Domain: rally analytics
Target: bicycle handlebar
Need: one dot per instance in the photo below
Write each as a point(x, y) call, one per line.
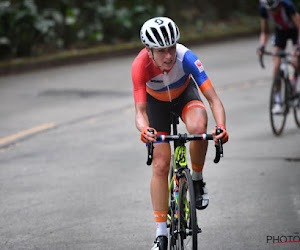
point(185, 138)
point(268, 53)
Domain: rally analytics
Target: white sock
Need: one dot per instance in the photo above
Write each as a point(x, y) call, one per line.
point(161, 229)
point(277, 97)
point(196, 176)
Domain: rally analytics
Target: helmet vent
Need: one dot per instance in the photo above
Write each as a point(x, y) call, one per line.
point(149, 37)
point(157, 36)
point(165, 35)
point(172, 33)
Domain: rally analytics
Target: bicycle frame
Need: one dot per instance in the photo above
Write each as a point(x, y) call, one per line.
point(290, 97)
point(179, 158)
point(284, 67)
point(179, 165)
point(183, 225)
point(179, 162)
point(284, 63)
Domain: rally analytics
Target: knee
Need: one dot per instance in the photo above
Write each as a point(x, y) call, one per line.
point(161, 166)
point(197, 127)
point(196, 121)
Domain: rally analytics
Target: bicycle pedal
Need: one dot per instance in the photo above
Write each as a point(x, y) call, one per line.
point(199, 230)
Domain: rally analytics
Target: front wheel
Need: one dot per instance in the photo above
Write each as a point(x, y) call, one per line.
point(172, 220)
point(296, 104)
point(278, 109)
point(187, 217)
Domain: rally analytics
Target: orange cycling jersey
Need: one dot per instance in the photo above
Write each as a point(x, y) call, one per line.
point(147, 78)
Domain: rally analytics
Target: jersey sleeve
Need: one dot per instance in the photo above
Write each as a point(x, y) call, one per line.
point(289, 8)
point(192, 65)
point(263, 12)
point(139, 83)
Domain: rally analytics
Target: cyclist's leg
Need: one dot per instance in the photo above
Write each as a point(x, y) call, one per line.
point(276, 61)
point(194, 115)
point(279, 44)
point(196, 123)
point(159, 179)
point(276, 77)
point(158, 114)
point(279, 41)
point(159, 193)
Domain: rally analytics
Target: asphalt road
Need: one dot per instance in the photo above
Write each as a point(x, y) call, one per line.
point(73, 172)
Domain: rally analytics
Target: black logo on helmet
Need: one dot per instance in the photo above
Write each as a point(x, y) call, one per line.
point(159, 21)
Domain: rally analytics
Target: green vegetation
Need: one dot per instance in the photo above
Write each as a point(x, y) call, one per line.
point(28, 27)
point(62, 28)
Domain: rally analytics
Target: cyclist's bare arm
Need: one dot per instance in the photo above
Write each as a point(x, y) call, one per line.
point(141, 117)
point(142, 121)
point(217, 109)
point(264, 33)
point(215, 105)
point(296, 20)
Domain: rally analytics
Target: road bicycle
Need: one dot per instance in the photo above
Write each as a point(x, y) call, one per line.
point(182, 216)
point(286, 90)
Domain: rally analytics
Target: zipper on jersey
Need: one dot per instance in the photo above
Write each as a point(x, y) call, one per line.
point(166, 83)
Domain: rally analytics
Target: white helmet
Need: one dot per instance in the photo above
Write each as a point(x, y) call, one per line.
point(270, 4)
point(159, 32)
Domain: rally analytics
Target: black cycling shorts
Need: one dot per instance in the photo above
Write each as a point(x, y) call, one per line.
point(281, 37)
point(159, 111)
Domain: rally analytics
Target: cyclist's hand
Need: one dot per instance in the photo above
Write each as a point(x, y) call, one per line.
point(260, 50)
point(223, 136)
point(147, 136)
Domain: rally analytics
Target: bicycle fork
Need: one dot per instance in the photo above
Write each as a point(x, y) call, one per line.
point(174, 203)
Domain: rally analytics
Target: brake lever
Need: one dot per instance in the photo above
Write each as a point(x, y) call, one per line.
point(219, 147)
point(261, 60)
point(150, 150)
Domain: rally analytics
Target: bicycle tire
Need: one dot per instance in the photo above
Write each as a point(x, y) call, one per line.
point(278, 119)
point(187, 217)
point(171, 209)
point(296, 105)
